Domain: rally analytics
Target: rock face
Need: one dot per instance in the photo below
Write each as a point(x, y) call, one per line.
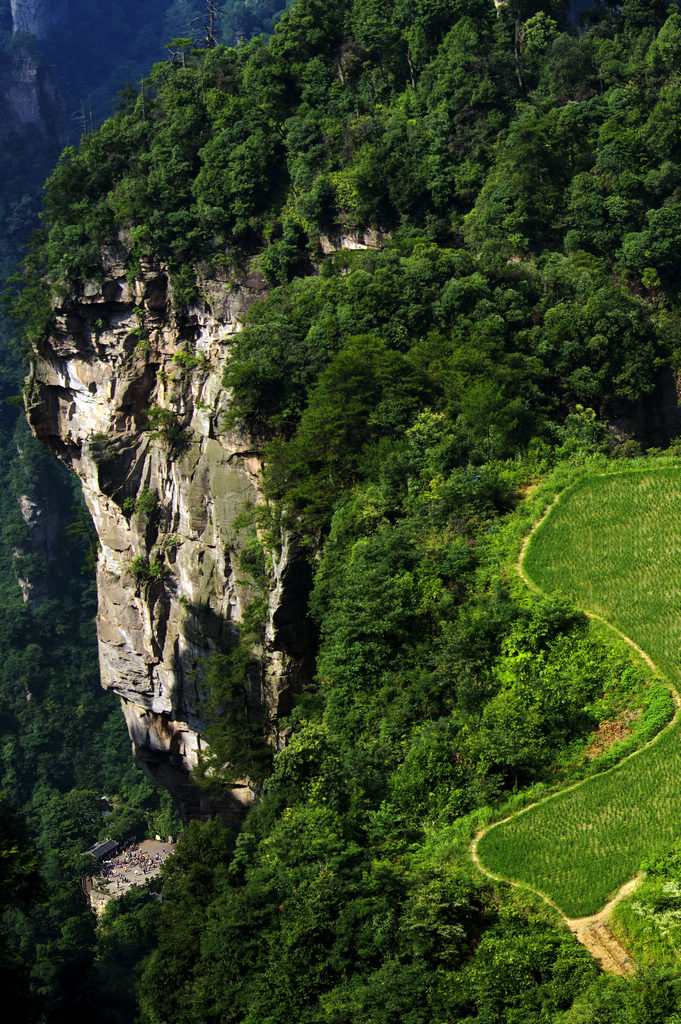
point(37, 17)
point(30, 97)
point(43, 519)
point(168, 505)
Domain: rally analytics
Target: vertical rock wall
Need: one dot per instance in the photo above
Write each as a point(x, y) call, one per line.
point(30, 98)
point(168, 507)
point(37, 17)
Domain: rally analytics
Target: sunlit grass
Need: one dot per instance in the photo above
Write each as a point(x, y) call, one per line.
point(613, 545)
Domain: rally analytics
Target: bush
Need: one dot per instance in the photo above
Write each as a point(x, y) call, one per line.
point(146, 572)
point(166, 426)
point(145, 504)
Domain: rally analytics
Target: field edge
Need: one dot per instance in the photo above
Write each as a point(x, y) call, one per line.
point(525, 544)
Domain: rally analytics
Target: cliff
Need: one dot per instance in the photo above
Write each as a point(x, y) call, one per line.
point(37, 17)
point(30, 97)
point(167, 504)
point(43, 517)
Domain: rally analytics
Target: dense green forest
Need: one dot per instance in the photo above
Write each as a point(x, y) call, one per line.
point(525, 175)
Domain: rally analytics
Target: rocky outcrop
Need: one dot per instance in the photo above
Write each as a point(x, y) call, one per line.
point(655, 418)
point(43, 521)
point(127, 390)
point(30, 98)
point(37, 17)
point(367, 238)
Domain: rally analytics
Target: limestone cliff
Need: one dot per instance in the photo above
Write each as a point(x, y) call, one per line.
point(30, 98)
point(43, 517)
point(167, 504)
point(37, 17)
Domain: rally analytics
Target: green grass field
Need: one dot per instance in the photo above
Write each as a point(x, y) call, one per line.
point(613, 545)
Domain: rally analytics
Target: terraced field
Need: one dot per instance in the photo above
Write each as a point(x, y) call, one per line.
point(613, 545)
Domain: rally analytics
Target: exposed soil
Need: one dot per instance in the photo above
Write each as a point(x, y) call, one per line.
point(610, 732)
point(605, 948)
point(528, 490)
point(595, 935)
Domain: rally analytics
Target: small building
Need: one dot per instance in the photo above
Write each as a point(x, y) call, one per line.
point(100, 851)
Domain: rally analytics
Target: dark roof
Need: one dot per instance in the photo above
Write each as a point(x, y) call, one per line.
point(101, 850)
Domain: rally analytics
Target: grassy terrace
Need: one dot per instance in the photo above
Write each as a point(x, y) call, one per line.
point(612, 544)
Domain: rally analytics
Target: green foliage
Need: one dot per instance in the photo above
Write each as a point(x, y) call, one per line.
point(233, 708)
point(493, 352)
point(147, 571)
point(19, 871)
point(81, 527)
point(416, 721)
point(27, 299)
point(648, 922)
point(184, 286)
point(579, 847)
point(63, 742)
point(651, 997)
point(100, 447)
point(284, 257)
point(509, 129)
point(583, 435)
point(189, 360)
point(144, 504)
point(365, 393)
point(528, 177)
point(21, 888)
point(235, 729)
point(125, 935)
point(252, 560)
point(165, 425)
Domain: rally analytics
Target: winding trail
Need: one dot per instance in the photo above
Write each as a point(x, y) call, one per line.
point(593, 931)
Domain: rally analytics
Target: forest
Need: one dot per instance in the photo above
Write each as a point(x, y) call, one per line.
point(417, 405)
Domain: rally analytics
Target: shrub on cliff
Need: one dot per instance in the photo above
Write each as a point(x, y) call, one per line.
point(165, 426)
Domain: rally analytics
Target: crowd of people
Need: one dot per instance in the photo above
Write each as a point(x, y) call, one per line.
point(132, 865)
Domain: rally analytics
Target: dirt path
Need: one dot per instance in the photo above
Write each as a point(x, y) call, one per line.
point(593, 931)
point(525, 544)
point(594, 934)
